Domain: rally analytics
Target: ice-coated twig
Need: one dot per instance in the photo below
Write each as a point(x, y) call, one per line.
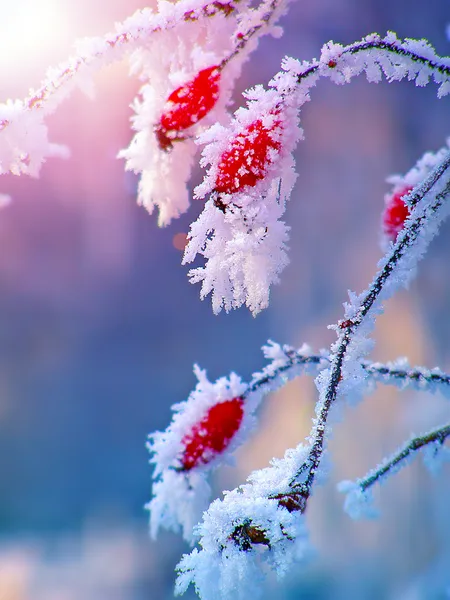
point(262, 16)
point(419, 378)
point(390, 464)
point(133, 33)
point(345, 371)
point(240, 233)
point(260, 513)
point(183, 460)
point(180, 488)
point(404, 59)
point(400, 261)
point(374, 55)
point(143, 38)
point(206, 430)
point(358, 501)
point(396, 372)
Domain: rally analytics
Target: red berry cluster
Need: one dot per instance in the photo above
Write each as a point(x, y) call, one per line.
point(213, 433)
point(395, 214)
point(188, 104)
point(246, 162)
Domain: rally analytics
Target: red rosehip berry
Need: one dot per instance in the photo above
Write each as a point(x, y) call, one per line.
point(213, 434)
point(189, 103)
point(395, 214)
point(246, 162)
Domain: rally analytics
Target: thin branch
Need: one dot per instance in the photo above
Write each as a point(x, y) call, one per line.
point(417, 377)
point(300, 486)
point(267, 11)
point(388, 465)
point(114, 46)
point(396, 49)
point(388, 374)
point(438, 65)
point(302, 483)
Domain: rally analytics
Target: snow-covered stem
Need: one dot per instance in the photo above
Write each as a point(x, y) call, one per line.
point(416, 377)
point(129, 35)
point(260, 513)
point(359, 494)
point(24, 144)
point(266, 12)
point(184, 458)
point(134, 33)
point(396, 373)
point(392, 463)
point(381, 287)
point(240, 233)
point(334, 55)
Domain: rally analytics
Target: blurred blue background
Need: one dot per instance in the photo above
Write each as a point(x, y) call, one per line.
point(100, 327)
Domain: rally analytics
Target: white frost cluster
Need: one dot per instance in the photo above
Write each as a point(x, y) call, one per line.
point(24, 143)
point(358, 503)
point(245, 250)
point(286, 365)
point(435, 455)
point(224, 570)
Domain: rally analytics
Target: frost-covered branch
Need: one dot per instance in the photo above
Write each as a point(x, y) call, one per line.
point(345, 373)
point(195, 443)
point(207, 429)
point(95, 53)
point(182, 95)
point(155, 43)
point(414, 59)
point(397, 372)
point(188, 55)
point(251, 175)
point(358, 502)
point(268, 511)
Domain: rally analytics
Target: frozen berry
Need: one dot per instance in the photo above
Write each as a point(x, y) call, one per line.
point(192, 101)
point(251, 152)
point(395, 214)
point(213, 433)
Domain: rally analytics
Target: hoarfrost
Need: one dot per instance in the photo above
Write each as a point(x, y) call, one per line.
point(246, 532)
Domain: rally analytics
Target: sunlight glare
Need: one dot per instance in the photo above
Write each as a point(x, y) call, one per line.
point(31, 31)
